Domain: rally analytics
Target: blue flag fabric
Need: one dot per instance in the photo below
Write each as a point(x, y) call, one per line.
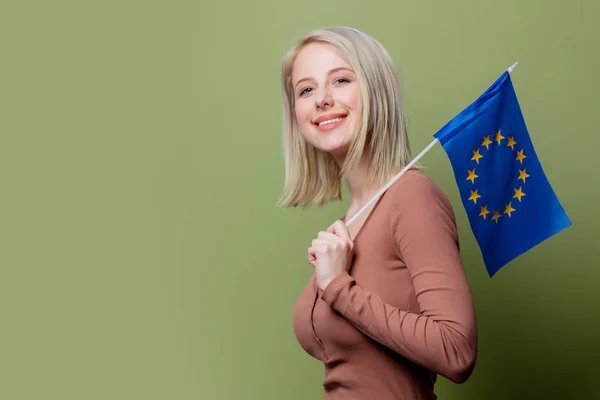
point(508, 199)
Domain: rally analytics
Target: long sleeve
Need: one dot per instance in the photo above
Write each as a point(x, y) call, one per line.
point(442, 337)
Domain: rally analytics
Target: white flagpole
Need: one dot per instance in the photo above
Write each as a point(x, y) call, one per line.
point(394, 179)
point(406, 168)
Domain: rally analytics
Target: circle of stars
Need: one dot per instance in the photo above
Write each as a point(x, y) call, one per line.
point(518, 192)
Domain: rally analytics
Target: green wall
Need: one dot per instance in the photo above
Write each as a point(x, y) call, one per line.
point(141, 254)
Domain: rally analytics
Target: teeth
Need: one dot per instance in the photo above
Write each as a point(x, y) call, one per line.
point(331, 121)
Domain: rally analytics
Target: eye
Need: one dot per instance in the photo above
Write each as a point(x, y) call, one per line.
point(341, 80)
point(304, 91)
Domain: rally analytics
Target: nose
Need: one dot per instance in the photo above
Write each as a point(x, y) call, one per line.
point(323, 100)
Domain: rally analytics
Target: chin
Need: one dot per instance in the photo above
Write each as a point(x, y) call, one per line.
point(335, 142)
point(336, 146)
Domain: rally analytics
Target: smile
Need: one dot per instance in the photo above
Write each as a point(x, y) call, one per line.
point(329, 122)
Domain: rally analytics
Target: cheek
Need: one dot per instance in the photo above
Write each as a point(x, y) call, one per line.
point(301, 118)
point(353, 99)
point(302, 114)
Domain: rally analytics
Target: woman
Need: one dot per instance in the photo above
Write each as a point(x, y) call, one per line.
point(389, 306)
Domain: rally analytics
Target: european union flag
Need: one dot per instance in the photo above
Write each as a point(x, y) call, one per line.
point(510, 203)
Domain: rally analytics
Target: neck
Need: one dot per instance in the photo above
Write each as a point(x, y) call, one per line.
point(362, 190)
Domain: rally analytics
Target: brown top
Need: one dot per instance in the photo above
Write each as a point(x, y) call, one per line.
point(404, 312)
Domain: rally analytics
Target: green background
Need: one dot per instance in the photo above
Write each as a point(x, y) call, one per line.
point(141, 253)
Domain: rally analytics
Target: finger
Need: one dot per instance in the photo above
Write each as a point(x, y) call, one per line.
point(315, 250)
point(329, 236)
point(332, 227)
point(312, 257)
point(333, 240)
point(320, 242)
point(319, 248)
point(340, 229)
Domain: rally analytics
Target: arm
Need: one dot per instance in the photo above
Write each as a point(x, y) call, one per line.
point(443, 336)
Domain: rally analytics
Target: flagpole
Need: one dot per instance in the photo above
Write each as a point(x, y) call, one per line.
point(406, 168)
point(386, 187)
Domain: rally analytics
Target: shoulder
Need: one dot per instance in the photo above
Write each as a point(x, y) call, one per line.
point(416, 190)
point(420, 214)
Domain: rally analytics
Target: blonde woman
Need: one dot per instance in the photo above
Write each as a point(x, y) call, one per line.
point(388, 307)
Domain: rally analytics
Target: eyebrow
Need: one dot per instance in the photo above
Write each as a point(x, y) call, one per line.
point(331, 71)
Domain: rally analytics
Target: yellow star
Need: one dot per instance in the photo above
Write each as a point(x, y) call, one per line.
point(508, 209)
point(472, 176)
point(523, 174)
point(474, 195)
point(484, 211)
point(511, 142)
point(486, 141)
point(518, 194)
point(521, 156)
point(499, 137)
point(476, 156)
point(496, 216)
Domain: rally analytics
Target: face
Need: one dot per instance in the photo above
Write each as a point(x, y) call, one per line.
point(326, 96)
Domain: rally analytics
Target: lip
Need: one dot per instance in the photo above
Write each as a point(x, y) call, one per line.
point(328, 117)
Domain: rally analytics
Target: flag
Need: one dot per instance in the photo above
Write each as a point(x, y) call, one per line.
point(509, 202)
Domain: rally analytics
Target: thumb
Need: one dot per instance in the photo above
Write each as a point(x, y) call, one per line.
point(312, 257)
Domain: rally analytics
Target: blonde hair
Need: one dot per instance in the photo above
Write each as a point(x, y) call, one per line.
point(312, 176)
